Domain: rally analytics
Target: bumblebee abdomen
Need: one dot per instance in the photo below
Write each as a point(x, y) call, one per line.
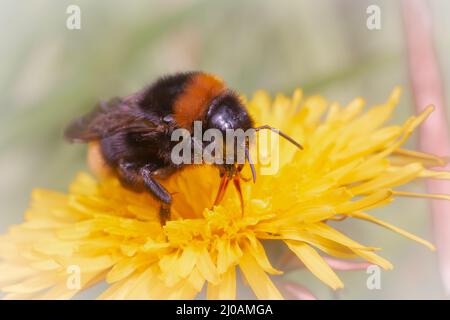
point(160, 97)
point(96, 161)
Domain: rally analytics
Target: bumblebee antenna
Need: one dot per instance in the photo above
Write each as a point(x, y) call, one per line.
point(288, 138)
point(250, 162)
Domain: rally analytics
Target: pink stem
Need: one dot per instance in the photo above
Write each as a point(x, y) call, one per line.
point(293, 291)
point(344, 265)
point(288, 261)
point(427, 87)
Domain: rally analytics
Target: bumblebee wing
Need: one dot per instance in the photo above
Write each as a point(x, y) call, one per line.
point(107, 119)
point(95, 124)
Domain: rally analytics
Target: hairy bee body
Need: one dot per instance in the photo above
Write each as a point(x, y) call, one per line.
point(132, 135)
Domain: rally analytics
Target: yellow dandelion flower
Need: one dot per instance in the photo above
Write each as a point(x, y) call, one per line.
point(351, 163)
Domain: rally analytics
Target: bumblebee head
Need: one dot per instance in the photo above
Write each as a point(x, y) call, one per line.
point(226, 111)
point(227, 114)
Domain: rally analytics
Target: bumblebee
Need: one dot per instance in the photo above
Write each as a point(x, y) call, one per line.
point(133, 134)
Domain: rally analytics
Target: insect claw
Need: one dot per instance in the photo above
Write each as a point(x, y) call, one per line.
point(164, 214)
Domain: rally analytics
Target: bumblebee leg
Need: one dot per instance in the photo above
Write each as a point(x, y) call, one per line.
point(158, 191)
point(129, 176)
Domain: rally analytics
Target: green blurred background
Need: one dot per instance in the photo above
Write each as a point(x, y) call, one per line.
point(49, 74)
